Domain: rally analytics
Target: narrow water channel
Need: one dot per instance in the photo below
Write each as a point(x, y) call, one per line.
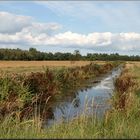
point(92, 100)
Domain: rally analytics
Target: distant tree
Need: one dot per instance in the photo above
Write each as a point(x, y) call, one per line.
point(32, 50)
point(33, 54)
point(77, 55)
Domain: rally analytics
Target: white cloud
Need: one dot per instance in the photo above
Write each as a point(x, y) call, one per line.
point(69, 38)
point(37, 28)
point(37, 34)
point(10, 23)
point(97, 41)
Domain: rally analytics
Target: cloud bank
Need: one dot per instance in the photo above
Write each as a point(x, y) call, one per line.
point(24, 31)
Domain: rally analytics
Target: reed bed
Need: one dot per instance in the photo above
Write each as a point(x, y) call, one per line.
point(22, 92)
point(122, 121)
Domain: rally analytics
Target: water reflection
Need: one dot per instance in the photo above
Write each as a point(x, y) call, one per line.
point(92, 99)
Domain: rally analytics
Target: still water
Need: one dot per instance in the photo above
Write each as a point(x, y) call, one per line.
point(90, 101)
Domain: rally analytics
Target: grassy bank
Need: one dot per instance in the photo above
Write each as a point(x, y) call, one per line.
point(122, 121)
point(32, 93)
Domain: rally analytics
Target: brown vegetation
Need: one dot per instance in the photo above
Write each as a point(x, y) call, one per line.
point(22, 92)
point(38, 66)
point(5, 64)
point(124, 83)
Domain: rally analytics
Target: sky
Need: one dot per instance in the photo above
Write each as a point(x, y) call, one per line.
point(65, 26)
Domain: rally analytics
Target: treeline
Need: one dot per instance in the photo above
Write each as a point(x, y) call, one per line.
point(112, 57)
point(33, 54)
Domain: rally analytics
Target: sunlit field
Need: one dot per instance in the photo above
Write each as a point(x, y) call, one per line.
point(69, 69)
point(35, 66)
point(122, 121)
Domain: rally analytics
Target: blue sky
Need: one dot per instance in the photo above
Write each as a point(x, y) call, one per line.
point(89, 26)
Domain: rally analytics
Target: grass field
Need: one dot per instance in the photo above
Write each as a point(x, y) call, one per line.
point(5, 64)
point(134, 69)
point(118, 123)
point(24, 91)
point(35, 66)
point(132, 64)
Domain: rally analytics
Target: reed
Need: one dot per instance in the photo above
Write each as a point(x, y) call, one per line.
point(26, 99)
point(22, 92)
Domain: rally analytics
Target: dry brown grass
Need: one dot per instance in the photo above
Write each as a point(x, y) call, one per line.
point(132, 64)
point(6, 64)
point(29, 66)
point(127, 82)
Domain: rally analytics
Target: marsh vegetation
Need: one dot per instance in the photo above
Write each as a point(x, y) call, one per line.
point(26, 100)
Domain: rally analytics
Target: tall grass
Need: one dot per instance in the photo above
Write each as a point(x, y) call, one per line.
point(38, 89)
point(22, 92)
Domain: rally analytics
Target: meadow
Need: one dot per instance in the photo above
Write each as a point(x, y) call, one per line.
point(38, 66)
point(122, 121)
